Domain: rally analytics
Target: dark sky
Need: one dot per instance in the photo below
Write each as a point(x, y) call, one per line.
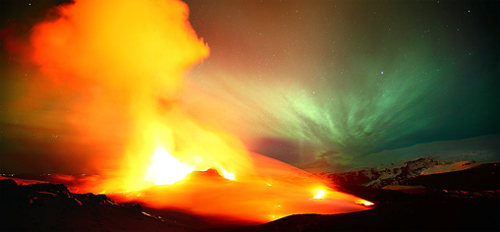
point(303, 80)
point(349, 78)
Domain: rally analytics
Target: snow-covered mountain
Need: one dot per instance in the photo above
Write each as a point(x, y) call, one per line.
point(391, 174)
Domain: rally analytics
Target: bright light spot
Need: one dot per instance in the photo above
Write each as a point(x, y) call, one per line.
point(269, 185)
point(320, 194)
point(166, 169)
point(365, 203)
point(227, 175)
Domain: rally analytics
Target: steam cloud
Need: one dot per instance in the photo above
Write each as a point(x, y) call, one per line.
point(103, 92)
point(109, 78)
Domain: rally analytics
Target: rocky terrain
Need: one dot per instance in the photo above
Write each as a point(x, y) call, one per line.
point(51, 207)
point(463, 198)
point(387, 175)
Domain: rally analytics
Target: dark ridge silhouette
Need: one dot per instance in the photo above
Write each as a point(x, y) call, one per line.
point(467, 200)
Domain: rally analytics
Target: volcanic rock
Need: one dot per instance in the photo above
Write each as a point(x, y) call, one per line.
point(379, 177)
point(51, 207)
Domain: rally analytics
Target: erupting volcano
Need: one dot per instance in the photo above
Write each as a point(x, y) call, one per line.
point(255, 115)
point(117, 67)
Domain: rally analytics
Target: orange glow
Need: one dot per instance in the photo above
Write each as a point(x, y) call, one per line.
point(119, 66)
point(251, 198)
point(320, 194)
point(227, 175)
point(365, 203)
point(166, 169)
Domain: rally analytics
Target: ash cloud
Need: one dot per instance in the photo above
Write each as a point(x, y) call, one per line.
point(87, 79)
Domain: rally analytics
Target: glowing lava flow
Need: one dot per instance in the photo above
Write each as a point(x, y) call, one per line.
point(365, 203)
point(121, 64)
point(273, 191)
point(320, 194)
point(166, 169)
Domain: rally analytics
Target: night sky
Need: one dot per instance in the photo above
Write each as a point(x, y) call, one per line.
point(303, 81)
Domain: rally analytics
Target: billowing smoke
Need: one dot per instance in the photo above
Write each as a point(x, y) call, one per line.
point(105, 85)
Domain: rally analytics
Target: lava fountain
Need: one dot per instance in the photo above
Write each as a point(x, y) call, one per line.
point(118, 67)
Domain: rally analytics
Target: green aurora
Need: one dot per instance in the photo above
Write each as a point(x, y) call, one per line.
point(344, 79)
point(306, 81)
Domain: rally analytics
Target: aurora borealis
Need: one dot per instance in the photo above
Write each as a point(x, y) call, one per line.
point(300, 81)
point(343, 79)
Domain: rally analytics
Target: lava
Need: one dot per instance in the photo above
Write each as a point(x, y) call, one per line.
point(272, 191)
point(116, 69)
point(320, 194)
point(166, 169)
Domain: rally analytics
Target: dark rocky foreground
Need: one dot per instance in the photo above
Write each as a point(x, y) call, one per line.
point(435, 212)
point(467, 200)
point(51, 207)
